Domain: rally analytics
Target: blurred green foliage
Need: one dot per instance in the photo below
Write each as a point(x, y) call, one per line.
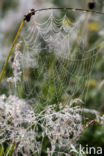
point(8, 5)
point(51, 93)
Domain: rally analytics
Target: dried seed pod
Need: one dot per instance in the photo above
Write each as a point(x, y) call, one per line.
point(91, 4)
point(29, 15)
point(33, 11)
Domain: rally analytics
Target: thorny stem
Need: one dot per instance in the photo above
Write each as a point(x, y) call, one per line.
point(28, 18)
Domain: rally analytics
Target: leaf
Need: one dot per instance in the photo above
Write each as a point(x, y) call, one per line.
point(10, 150)
point(1, 151)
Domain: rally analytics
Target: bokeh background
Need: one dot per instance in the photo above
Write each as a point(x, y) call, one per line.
point(11, 14)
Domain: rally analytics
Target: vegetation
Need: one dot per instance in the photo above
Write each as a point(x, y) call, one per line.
point(52, 83)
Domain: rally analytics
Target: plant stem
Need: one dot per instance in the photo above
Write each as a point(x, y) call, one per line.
point(73, 9)
point(10, 52)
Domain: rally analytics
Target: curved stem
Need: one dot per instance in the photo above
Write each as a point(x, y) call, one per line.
point(10, 52)
point(73, 9)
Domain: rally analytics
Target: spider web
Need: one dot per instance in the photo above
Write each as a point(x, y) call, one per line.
point(56, 62)
point(57, 58)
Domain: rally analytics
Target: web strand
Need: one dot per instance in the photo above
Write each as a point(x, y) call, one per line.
point(55, 48)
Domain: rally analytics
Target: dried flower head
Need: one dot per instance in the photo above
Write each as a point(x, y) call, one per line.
point(91, 4)
point(16, 65)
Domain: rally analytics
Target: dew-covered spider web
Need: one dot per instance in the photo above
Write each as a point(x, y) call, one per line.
point(52, 64)
point(58, 58)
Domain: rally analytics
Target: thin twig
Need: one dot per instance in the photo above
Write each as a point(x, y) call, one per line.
point(72, 9)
